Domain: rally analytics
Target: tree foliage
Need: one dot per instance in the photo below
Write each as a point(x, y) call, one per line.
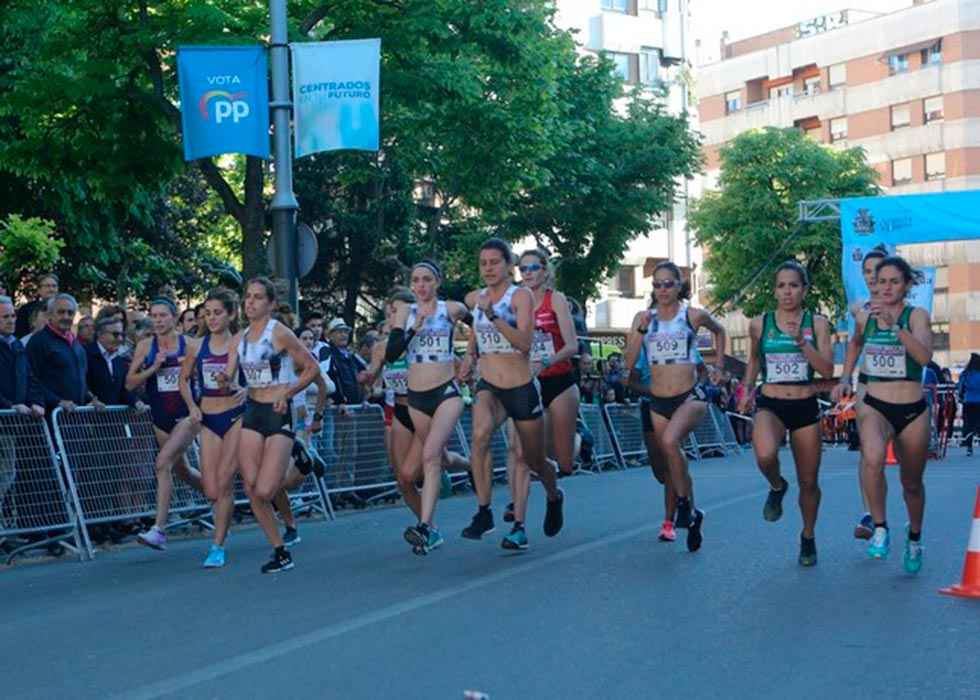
point(750, 222)
point(26, 248)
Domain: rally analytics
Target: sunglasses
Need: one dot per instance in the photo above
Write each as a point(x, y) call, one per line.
point(117, 334)
point(666, 284)
point(533, 267)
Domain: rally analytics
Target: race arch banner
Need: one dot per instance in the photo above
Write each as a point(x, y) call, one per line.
point(336, 86)
point(224, 100)
point(896, 220)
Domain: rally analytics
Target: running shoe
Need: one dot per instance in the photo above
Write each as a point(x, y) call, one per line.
point(291, 537)
point(516, 539)
point(667, 532)
point(215, 558)
point(682, 517)
point(773, 510)
point(808, 551)
point(880, 543)
point(509, 513)
point(554, 517)
point(154, 538)
point(912, 557)
point(435, 539)
point(418, 537)
point(482, 524)
point(281, 560)
point(865, 527)
point(694, 536)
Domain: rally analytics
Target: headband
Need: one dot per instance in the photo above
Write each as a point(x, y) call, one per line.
point(163, 301)
point(430, 267)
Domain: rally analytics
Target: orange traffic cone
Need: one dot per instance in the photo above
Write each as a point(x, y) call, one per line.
point(890, 454)
point(969, 587)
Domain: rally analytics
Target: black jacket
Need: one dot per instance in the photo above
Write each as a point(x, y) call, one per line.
point(23, 324)
point(60, 369)
point(343, 371)
point(17, 383)
point(110, 389)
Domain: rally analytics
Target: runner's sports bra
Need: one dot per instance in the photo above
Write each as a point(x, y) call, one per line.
point(261, 364)
point(434, 341)
point(489, 340)
point(672, 342)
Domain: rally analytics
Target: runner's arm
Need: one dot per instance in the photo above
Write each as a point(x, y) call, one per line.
point(917, 338)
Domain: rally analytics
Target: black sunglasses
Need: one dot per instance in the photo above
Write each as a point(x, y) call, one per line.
point(666, 284)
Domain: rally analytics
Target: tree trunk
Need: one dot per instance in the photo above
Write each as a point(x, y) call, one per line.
point(252, 222)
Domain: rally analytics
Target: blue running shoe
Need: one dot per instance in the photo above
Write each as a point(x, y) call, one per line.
point(516, 539)
point(880, 543)
point(912, 557)
point(215, 558)
point(435, 539)
point(865, 527)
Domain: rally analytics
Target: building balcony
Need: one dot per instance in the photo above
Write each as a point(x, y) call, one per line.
point(623, 33)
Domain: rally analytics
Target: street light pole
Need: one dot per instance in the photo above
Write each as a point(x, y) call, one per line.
point(284, 204)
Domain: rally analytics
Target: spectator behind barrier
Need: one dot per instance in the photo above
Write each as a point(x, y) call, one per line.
point(107, 366)
point(58, 360)
point(85, 330)
point(18, 388)
point(968, 390)
point(615, 379)
point(345, 366)
point(38, 320)
point(46, 289)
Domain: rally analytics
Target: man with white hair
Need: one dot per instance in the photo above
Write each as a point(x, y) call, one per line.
point(58, 360)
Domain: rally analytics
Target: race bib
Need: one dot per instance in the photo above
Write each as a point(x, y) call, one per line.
point(887, 361)
point(428, 343)
point(543, 346)
point(786, 367)
point(662, 347)
point(168, 380)
point(210, 372)
point(257, 374)
point(397, 382)
point(491, 341)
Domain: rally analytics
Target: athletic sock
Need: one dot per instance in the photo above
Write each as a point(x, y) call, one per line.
point(915, 536)
point(883, 524)
point(485, 509)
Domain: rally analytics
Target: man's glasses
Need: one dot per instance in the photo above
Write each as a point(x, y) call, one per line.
point(533, 267)
point(666, 284)
point(117, 334)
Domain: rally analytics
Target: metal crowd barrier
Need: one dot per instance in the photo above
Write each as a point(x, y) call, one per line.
point(604, 450)
point(626, 428)
point(37, 505)
point(352, 444)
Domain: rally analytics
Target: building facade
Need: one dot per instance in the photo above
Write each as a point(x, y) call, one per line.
point(648, 40)
point(905, 87)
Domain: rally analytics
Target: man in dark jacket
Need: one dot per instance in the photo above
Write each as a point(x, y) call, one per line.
point(345, 366)
point(58, 360)
point(107, 367)
point(47, 287)
point(18, 388)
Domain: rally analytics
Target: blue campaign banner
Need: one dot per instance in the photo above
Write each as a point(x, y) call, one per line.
point(335, 95)
point(224, 100)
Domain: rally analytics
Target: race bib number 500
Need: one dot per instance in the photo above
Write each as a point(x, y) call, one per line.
point(884, 361)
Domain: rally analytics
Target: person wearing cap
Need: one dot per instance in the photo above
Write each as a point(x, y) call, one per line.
point(345, 365)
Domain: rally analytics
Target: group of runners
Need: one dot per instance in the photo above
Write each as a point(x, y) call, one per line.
point(237, 389)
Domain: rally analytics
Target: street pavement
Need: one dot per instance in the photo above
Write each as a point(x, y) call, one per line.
point(603, 610)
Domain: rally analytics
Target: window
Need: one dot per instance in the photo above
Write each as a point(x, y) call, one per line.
point(898, 63)
point(901, 116)
point(740, 346)
point(838, 129)
point(902, 171)
point(625, 281)
point(838, 75)
point(658, 6)
point(933, 55)
point(782, 91)
point(627, 66)
point(935, 166)
point(650, 66)
point(811, 86)
point(940, 336)
point(733, 101)
point(932, 108)
point(814, 132)
point(616, 5)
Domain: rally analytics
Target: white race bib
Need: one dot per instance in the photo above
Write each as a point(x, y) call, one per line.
point(210, 371)
point(258, 375)
point(397, 381)
point(543, 346)
point(786, 367)
point(427, 343)
point(491, 341)
point(662, 347)
point(887, 361)
point(168, 380)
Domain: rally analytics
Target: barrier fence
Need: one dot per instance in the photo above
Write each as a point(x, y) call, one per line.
point(96, 467)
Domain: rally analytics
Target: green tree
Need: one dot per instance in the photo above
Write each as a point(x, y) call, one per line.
point(750, 222)
point(27, 248)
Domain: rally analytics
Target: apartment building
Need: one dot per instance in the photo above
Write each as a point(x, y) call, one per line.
point(905, 86)
point(648, 40)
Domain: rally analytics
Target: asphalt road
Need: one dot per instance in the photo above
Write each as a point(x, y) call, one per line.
point(603, 610)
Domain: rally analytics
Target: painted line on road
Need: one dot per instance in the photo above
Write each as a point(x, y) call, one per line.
point(176, 684)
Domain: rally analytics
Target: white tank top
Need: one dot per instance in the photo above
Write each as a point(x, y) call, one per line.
point(434, 341)
point(489, 340)
point(261, 364)
point(671, 342)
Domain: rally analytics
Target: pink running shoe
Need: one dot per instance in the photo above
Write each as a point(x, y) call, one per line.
point(667, 533)
point(154, 538)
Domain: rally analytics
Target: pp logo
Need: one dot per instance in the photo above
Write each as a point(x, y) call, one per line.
point(227, 105)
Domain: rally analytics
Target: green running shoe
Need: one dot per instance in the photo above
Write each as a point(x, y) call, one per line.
point(773, 510)
point(880, 543)
point(516, 539)
point(912, 557)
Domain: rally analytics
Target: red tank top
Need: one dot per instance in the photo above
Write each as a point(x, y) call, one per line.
point(546, 324)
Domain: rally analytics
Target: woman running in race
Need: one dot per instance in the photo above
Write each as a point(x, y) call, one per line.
point(865, 525)
point(788, 346)
point(668, 331)
point(156, 363)
point(897, 343)
point(503, 335)
point(276, 368)
point(423, 332)
point(554, 345)
point(219, 413)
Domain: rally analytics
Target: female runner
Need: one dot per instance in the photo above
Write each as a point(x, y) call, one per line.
point(503, 334)
point(788, 345)
point(668, 331)
point(897, 343)
point(156, 363)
